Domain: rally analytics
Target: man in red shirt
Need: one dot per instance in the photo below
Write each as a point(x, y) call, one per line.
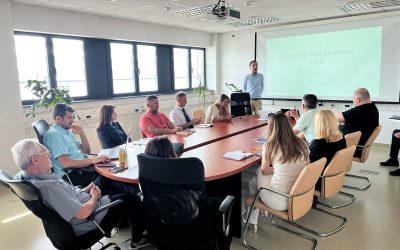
point(154, 123)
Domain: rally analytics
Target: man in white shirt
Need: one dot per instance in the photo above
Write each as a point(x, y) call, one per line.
point(181, 115)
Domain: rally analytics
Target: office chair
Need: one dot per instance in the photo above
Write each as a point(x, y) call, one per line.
point(58, 230)
point(240, 104)
point(40, 127)
point(177, 207)
point(300, 200)
point(363, 158)
point(332, 178)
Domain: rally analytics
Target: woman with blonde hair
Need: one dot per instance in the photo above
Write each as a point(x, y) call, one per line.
point(328, 139)
point(219, 111)
point(283, 158)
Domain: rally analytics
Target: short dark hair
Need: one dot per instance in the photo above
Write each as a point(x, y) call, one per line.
point(150, 98)
point(160, 146)
point(60, 109)
point(253, 61)
point(180, 94)
point(310, 101)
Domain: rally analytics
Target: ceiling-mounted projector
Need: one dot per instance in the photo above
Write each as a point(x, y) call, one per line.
point(222, 11)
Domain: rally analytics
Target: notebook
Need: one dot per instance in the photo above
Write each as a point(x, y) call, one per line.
point(204, 125)
point(237, 155)
point(113, 153)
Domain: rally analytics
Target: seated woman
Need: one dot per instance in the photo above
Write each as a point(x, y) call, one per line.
point(283, 158)
point(328, 139)
point(108, 130)
point(160, 146)
point(219, 111)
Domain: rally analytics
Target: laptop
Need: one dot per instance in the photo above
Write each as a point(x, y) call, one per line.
point(113, 153)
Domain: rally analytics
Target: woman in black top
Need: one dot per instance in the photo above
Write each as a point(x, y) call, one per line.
point(328, 139)
point(109, 131)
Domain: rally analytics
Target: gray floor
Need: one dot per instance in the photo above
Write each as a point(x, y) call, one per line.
point(372, 219)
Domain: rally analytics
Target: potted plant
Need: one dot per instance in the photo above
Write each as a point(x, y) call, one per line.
point(47, 97)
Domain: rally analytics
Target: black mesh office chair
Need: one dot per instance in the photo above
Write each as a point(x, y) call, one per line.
point(40, 127)
point(240, 104)
point(58, 230)
point(179, 214)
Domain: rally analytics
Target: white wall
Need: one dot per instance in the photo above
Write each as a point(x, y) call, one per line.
point(237, 49)
point(11, 126)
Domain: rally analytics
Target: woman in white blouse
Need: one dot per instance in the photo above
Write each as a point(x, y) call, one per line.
point(283, 158)
point(219, 111)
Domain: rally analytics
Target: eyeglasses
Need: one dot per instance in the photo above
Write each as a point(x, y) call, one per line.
point(44, 153)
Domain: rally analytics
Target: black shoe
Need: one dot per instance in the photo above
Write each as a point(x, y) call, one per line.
point(390, 162)
point(395, 172)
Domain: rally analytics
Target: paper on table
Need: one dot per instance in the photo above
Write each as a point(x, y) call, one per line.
point(204, 125)
point(261, 140)
point(142, 141)
point(237, 155)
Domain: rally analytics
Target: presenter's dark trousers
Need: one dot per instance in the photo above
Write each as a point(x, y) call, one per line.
point(395, 147)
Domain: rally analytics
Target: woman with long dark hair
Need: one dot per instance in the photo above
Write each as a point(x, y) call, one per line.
point(283, 158)
point(108, 130)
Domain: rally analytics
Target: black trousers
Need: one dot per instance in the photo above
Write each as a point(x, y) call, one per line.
point(395, 146)
point(132, 209)
point(82, 177)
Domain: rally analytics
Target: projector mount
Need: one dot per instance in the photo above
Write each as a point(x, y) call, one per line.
point(222, 11)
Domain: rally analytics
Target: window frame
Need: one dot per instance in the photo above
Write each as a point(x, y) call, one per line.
point(164, 61)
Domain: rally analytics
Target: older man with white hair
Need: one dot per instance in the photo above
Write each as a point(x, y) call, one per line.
point(75, 204)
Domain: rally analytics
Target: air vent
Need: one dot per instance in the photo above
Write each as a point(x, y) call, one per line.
point(371, 5)
point(198, 11)
point(255, 21)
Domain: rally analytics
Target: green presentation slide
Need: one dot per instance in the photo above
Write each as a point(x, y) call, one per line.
point(331, 64)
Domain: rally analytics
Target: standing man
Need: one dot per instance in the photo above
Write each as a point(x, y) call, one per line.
point(181, 115)
point(66, 151)
point(363, 117)
point(305, 123)
point(153, 123)
point(254, 85)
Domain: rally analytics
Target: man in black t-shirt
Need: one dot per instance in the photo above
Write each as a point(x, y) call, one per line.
point(363, 117)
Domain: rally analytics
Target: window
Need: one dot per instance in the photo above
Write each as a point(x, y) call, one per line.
point(122, 64)
point(197, 62)
point(69, 60)
point(94, 68)
point(147, 68)
point(32, 62)
point(181, 68)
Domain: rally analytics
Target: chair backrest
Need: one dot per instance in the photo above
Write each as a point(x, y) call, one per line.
point(40, 127)
point(57, 229)
point(367, 147)
point(302, 192)
point(175, 198)
point(240, 104)
point(353, 138)
point(333, 175)
point(199, 114)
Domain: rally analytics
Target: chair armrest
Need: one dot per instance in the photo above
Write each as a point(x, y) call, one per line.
point(226, 209)
point(274, 191)
point(140, 195)
point(105, 207)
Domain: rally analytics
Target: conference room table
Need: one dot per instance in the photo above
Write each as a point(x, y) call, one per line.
point(223, 176)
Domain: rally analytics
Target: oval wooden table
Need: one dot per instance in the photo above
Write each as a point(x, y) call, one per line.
point(223, 176)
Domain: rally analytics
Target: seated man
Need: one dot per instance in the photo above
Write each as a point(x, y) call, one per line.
point(305, 123)
point(73, 204)
point(153, 123)
point(181, 115)
point(363, 117)
point(394, 153)
point(66, 150)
